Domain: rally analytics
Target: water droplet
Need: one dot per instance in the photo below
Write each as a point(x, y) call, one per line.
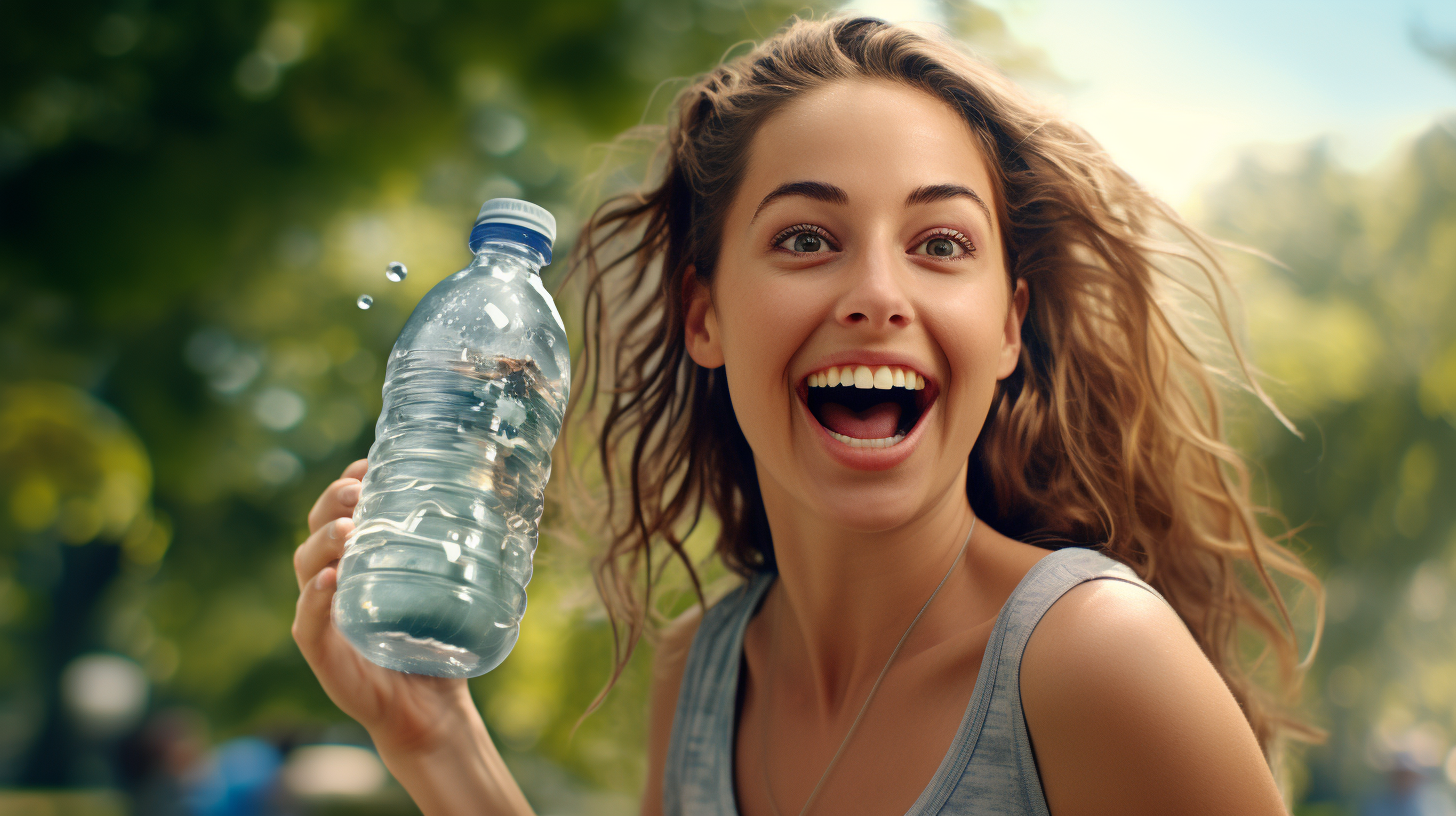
point(364, 301)
point(395, 271)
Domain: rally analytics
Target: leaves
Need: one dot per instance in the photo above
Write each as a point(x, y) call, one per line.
point(191, 199)
point(1357, 326)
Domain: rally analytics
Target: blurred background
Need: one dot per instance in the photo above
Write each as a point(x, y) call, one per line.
point(193, 196)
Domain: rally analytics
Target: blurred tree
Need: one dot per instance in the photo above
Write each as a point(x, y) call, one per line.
point(191, 198)
point(193, 195)
point(1356, 326)
point(78, 482)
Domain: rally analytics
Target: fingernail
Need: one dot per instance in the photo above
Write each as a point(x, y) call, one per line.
point(350, 493)
point(334, 528)
point(322, 578)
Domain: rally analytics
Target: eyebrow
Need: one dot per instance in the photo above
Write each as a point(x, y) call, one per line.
point(817, 190)
point(940, 192)
point(822, 191)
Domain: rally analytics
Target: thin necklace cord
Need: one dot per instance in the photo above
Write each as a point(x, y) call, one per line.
point(768, 692)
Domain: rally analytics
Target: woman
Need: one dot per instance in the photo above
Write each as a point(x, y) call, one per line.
point(902, 330)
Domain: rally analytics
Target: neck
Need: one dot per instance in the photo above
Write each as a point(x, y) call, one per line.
point(846, 595)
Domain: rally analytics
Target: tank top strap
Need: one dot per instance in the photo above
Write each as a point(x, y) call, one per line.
point(990, 759)
point(989, 767)
point(698, 773)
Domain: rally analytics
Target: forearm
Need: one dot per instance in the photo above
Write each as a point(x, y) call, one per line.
point(464, 776)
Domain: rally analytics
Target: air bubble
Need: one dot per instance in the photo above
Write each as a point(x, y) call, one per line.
point(364, 301)
point(395, 271)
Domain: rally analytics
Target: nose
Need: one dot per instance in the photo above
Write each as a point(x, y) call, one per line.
point(874, 288)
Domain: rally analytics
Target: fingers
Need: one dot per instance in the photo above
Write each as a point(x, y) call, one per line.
point(339, 498)
point(319, 550)
point(356, 469)
point(312, 624)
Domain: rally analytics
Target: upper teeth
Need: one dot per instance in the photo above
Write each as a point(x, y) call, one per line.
point(865, 377)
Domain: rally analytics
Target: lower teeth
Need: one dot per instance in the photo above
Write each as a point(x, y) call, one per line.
point(867, 443)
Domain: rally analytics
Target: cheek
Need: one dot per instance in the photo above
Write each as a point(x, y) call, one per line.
point(768, 328)
point(758, 346)
point(971, 322)
point(972, 341)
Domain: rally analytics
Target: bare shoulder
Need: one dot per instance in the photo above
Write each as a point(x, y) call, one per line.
point(669, 661)
point(1127, 715)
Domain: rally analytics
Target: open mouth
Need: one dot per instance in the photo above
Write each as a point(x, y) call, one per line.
point(911, 404)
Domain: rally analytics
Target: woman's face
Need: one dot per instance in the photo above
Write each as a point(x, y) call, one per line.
point(884, 250)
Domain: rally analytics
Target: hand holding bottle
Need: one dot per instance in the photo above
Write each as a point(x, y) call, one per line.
point(426, 729)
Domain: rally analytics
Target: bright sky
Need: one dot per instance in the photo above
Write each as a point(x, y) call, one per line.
point(1175, 89)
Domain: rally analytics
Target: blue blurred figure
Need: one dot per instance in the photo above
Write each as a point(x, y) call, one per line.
point(1408, 792)
point(240, 779)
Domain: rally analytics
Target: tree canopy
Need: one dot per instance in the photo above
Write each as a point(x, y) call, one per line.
point(192, 197)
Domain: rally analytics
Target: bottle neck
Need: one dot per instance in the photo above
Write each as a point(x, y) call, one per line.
point(498, 235)
point(530, 256)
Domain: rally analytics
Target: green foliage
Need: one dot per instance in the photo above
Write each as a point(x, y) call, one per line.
point(192, 195)
point(1357, 328)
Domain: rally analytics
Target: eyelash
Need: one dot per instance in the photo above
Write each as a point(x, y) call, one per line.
point(795, 230)
point(941, 232)
point(955, 236)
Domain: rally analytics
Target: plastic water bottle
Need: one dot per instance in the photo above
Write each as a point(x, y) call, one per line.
point(433, 578)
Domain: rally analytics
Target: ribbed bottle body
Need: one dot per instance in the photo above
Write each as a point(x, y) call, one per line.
point(433, 578)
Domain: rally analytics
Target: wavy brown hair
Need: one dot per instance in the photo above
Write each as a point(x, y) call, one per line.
point(1108, 434)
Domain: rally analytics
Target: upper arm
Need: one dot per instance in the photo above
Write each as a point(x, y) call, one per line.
point(667, 670)
point(1127, 715)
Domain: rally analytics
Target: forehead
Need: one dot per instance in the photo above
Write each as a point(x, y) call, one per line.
point(878, 139)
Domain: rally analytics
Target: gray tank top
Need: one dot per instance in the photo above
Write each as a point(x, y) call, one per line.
point(989, 768)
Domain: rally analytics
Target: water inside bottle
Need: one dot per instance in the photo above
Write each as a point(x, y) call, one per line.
point(452, 498)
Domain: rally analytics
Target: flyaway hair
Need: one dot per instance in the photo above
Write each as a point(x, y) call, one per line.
point(1108, 435)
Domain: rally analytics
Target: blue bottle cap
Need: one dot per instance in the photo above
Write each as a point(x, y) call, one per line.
point(518, 213)
point(514, 220)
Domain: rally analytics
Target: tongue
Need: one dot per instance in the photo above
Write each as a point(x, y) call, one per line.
point(876, 422)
